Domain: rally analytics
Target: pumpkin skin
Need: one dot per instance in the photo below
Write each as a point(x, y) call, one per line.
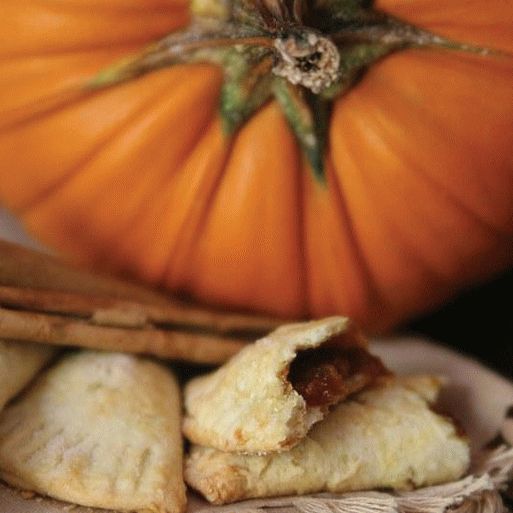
point(140, 178)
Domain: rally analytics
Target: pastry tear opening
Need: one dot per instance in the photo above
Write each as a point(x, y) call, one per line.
point(328, 374)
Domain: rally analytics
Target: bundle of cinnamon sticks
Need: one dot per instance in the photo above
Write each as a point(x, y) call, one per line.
point(45, 300)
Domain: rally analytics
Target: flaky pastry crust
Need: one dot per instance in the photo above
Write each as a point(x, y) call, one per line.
point(101, 430)
point(248, 405)
point(385, 437)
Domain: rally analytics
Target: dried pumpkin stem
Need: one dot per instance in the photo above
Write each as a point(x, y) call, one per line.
point(166, 53)
point(393, 33)
point(245, 88)
point(318, 50)
point(305, 122)
point(308, 59)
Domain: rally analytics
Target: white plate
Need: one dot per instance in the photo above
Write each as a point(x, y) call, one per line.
point(476, 396)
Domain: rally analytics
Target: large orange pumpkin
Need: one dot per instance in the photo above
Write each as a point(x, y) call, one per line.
point(140, 177)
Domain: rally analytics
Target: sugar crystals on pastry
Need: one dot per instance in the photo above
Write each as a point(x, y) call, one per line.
point(269, 395)
point(98, 429)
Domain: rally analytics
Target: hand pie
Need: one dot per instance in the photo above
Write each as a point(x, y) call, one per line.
point(268, 396)
point(384, 437)
point(101, 430)
point(19, 362)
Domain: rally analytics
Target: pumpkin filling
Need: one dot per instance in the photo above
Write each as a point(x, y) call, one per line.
point(327, 375)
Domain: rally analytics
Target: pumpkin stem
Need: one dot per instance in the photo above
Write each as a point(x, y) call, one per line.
point(307, 120)
point(308, 59)
point(304, 53)
point(246, 87)
point(390, 32)
point(199, 43)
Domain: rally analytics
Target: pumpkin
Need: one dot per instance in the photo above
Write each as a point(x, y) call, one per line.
point(277, 175)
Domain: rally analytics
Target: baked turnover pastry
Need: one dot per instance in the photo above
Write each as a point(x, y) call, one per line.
point(269, 395)
point(384, 437)
point(98, 429)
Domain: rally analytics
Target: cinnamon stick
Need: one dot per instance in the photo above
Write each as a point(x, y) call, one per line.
point(62, 330)
point(110, 311)
point(46, 300)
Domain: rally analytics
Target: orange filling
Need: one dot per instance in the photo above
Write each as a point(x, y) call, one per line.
point(327, 375)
